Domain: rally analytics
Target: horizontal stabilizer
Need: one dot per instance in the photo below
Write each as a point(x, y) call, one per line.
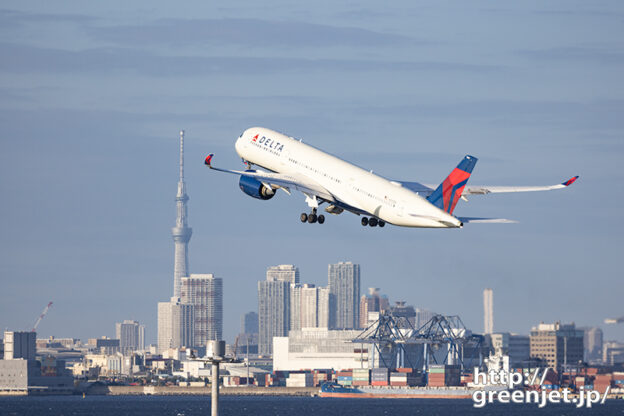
point(478, 220)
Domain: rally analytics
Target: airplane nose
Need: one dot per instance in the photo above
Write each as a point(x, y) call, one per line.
point(238, 145)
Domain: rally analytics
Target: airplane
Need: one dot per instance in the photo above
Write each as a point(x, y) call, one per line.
point(288, 164)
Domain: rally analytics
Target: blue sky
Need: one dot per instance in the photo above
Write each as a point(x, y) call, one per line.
point(92, 96)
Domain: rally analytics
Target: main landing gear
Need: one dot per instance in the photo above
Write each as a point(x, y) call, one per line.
point(312, 217)
point(373, 222)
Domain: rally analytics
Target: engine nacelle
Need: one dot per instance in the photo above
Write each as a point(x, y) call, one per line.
point(255, 188)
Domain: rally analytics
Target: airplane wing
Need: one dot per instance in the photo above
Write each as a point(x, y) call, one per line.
point(482, 190)
point(279, 180)
point(426, 190)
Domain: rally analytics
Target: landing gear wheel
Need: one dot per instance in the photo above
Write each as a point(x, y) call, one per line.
point(381, 223)
point(304, 217)
point(372, 222)
point(312, 218)
point(364, 221)
point(321, 219)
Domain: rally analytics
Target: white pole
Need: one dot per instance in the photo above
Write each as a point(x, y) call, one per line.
point(215, 389)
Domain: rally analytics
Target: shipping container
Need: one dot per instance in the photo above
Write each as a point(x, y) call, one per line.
point(380, 370)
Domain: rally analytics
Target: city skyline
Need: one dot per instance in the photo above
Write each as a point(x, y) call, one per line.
point(94, 97)
point(285, 274)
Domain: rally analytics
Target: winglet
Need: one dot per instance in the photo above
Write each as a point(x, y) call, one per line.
point(208, 160)
point(570, 181)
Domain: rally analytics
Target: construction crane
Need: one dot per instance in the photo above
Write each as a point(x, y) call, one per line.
point(43, 313)
point(614, 320)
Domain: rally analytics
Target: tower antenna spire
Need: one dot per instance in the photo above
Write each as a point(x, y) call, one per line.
point(181, 155)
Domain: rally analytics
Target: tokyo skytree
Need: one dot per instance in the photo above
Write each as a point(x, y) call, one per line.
point(181, 232)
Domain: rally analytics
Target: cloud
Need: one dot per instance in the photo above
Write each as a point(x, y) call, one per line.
point(243, 32)
point(12, 18)
point(599, 55)
point(601, 114)
point(579, 13)
point(31, 59)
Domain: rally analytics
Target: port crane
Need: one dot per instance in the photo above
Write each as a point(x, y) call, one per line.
point(390, 337)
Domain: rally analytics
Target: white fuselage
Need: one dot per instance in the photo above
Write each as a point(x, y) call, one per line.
point(345, 182)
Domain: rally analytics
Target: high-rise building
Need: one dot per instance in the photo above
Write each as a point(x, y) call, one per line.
point(273, 312)
point(558, 344)
point(384, 303)
point(175, 325)
point(312, 305)
point(613, 353)
point(20, 345)
point(249, 323)
point(305, 307)
point(344, 287)
point(324, 306)
point(248, 338)
point(131, 336)
point(369, 303)
point(205, 293)
point(401, 310)
point(284, 272)
point(517, 347)
point(309, 306)
point(422, 317)
point(488, 311)
point(181, 232)
point(295, 306)
point(593, 344)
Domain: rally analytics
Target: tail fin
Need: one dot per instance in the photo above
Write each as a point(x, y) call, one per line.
point(448, 193)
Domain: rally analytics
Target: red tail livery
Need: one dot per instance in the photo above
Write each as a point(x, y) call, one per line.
point(448, 193)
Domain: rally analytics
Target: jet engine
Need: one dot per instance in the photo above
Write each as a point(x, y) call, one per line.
point(255, 188)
